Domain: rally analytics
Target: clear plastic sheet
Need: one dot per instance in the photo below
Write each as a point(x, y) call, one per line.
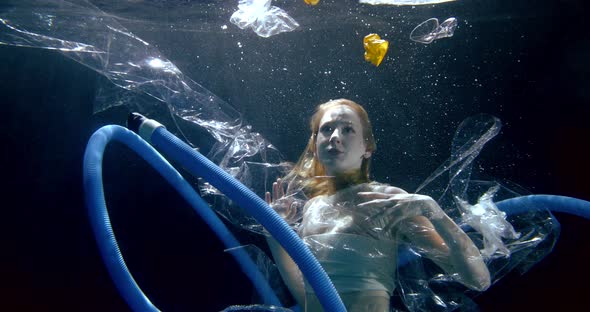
point(144, 79)
point(516, 243)
point(97, 40)
point(81, 31)
point(264, 19)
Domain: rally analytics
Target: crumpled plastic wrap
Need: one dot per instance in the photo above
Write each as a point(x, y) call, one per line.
point(487, 219)
point(265, 20)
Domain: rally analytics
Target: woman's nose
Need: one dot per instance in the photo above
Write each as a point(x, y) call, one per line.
point(335, 137)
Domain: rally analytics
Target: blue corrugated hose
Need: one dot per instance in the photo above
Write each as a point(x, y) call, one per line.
point(103, 230)
point(199, 166)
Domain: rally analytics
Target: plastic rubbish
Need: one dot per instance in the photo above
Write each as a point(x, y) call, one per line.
point(429, 30)
point(490, 222)
point(375, 48)
point(264, 19)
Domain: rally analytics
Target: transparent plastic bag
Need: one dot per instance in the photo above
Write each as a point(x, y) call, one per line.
point(430, 30)
point(264, 19)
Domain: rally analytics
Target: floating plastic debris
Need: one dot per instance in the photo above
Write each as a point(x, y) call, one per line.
point(487, 219)
point(429, 30)
point(311, 2)
point(264, 19)
point(375, 48)
point(402, 2)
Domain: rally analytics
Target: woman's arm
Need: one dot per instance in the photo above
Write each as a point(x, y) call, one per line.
point(436, 236)
point(428, 228)
point(289, 270)
point(292, 276)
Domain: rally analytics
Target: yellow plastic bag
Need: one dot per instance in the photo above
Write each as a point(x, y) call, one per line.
point(375, 48)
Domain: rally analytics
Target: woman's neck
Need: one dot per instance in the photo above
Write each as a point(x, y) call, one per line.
point(330, 184)
point(348, 179)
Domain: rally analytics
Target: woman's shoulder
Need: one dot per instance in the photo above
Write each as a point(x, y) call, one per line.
point(385, 188)
point(312, 201)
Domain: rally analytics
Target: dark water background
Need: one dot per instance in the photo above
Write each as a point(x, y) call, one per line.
point(525, 62)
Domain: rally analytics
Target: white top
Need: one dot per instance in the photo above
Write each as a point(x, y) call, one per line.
point(355, 262)
point(351, 243)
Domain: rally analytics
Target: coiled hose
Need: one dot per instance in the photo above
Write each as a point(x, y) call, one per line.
point(199, 166)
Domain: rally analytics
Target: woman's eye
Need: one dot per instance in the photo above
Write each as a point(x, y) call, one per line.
point(348, 130)
point(326, 129)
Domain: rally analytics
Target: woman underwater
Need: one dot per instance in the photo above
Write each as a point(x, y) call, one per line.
point(353, 225)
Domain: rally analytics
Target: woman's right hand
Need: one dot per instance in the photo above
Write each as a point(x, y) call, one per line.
point(283, 205)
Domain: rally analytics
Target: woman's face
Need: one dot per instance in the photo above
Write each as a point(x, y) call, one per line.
point(340, 145)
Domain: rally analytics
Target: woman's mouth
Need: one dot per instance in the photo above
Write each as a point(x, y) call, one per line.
point(334, 151)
